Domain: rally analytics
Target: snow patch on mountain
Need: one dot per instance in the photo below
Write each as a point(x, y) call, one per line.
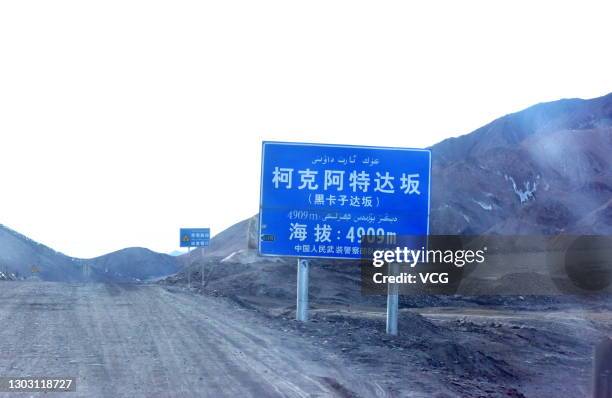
point(529, 190)
point(483, 205)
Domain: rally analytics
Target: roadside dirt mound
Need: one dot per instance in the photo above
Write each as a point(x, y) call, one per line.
point(244, 274)
point(465, 360)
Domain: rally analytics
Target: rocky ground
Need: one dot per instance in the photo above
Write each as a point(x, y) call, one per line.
point(451, 346)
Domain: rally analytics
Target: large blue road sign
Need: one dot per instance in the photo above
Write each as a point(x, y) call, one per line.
point(195, 237)
point(319, 200)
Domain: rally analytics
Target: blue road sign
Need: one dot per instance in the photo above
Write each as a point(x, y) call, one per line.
point(319, 200)
point(195, 237)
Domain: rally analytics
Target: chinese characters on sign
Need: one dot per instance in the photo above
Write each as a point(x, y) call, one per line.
point(195, 237)
point(320, 200)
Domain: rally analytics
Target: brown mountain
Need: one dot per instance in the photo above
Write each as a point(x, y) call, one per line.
point(543, 170)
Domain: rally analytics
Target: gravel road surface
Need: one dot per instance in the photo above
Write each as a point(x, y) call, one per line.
point(147, 341)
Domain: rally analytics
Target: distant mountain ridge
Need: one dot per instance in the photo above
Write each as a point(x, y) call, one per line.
point(541, 170)
point(514, 128)
point(29, 259)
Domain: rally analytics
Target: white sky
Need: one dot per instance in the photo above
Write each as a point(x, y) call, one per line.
point(121, 121)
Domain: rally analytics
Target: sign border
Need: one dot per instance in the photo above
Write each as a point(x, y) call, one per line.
point(190, 228)
point(261, 180)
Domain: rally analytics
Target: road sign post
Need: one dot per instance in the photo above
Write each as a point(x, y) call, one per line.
point(392, 301)
point(318, 201)
point(202, 268)
point(188, 269)
point(301, 313)
point(194, 237)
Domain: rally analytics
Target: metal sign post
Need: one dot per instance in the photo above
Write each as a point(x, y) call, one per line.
point(188, 268)
point(301, 313)
point(202, 267)
point(392, 301)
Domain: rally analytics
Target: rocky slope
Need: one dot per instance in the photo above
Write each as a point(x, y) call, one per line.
point(544, 170)
point(28, 259)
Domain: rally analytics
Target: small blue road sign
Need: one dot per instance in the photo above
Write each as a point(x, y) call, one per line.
point(319, 200)
point(195, 237)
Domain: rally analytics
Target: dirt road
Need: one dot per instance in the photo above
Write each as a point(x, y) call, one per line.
point(146, 341)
